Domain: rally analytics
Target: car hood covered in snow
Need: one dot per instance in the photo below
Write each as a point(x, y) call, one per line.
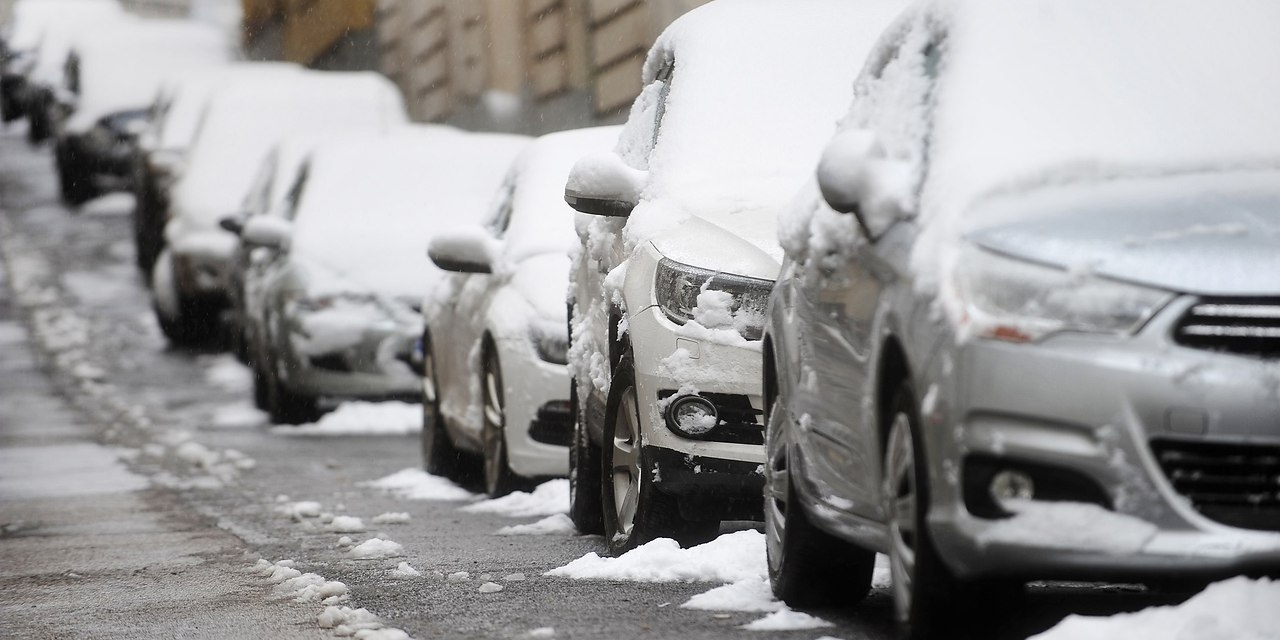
point(727, 247)
point(543, 281)
point(1207, 234)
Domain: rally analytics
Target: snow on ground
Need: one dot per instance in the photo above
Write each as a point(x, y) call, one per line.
point(416, 484)
point(346, 524)
point(1235, 609)
point(238, 416)
point(301, 509)
point(392, 518)
point(364, 419)
point(110, 205)
point(226, 373)
point(558, 524)
point(549, 498)
point(490, 587)
point(730, 558)
point(298, 586)
point(752, 594)
point(787, 620)
point(374, 548)
point(404, 570)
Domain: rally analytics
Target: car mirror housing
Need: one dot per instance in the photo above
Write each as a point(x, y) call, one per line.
point(233, 223)
point(468, 250)
point(856, 176)
point(267, 231)
point(602, 184)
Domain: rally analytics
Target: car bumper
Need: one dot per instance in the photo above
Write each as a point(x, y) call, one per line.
point(200, 262)
point(1104, 411)
point(108, 162)
point(539, 421)
point(372, 366)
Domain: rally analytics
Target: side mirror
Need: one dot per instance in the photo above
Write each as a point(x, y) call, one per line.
point(602, 184)
point(233, 223)
point(856, 176)
point(267, 231)
point(468, 250)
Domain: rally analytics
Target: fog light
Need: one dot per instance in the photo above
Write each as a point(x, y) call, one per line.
point(1011, 486)
point(692, 416)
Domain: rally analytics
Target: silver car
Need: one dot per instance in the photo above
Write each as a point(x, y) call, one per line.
point(1029, 355)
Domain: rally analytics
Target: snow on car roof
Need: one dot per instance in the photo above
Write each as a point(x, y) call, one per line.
point(251, 114)
point(757, 89)
point(123, 68)
point(30, 18)
point(57, 37)
point(1047, 91)
point(189, 93)
point(371, 205)
point(541, 221)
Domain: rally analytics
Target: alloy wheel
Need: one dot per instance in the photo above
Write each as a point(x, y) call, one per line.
point(626, 463)
point(494, 419)
point(901, 505)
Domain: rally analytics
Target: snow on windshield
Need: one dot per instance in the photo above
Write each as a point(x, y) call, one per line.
point(371, 234)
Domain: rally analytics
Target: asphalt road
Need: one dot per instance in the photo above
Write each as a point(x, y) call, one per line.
point(160, 539)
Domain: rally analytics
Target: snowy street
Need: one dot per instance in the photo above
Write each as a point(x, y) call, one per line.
point(141, 495)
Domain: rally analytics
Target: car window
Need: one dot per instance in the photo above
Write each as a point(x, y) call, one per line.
point(294, 197)
point(640, 134)
point(257, 201)
point(500, 219)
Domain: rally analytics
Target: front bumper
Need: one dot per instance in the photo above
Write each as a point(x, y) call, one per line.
point(101, 157)
point(369, 363)
point(539, 422)
point(1098, 408)
point(201, 261)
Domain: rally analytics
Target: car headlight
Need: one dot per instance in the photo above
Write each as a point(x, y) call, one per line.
point(551, 343)
point(1018, 301)
point(727, 300)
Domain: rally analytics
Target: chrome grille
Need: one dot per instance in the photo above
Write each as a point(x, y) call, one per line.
point(1245, 326)
point(1235, 484)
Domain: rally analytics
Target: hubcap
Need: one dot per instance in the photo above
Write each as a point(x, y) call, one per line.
point(900, 496)
point(493, 421)
point(626, 463)
point(428, 378)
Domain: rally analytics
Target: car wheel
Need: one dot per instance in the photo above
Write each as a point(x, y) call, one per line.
point(635, 510)
point(439, 456)
point(261, 384)
point(584, 474)
point(286, 406)
point(75, 187)
point(498, 477)
point(808, 567)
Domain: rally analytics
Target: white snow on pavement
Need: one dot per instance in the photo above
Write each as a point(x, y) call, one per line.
point(374, 548)
point(238, 416)
point(1235, 609)
point(363, 419)
point(404, 570)
point(730, 558)
point(357, 623)
point(298, 586)
point(226, 373)
point(416, 484)
point(752, 594)
point(490, 587)
point(346, 524)
point(558, 524)
point(301, 509)
point(787, 620)
point(392, 517)
point(549, 498)
point(541, 632)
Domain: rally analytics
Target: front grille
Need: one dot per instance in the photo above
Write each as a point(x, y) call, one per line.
point(1247, 326)
point(553, 424)
point(1235, 484)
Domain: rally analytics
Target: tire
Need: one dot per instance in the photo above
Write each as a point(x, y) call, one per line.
point(286, 406)
point(261, 385)
point(148, 231)
point(439, 456)
point(74, 186)
point(191, 327)
point(584, 474)
point(635, 510)
point(499, 480)
point(808, 567)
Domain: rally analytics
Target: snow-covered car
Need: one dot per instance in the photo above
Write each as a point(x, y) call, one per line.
point(43, 95)
point(1046, 343)
point(112, 78)
point(241, 123)
point(495, 380)
point(161, 149)
point(679, 252)
point(340, 314)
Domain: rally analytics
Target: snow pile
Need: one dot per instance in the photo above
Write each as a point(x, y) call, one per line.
point(787, 620)
point(362, 418)
point(238, 416)
point(346, 524)
point(1069, 525)
point(729, 558)
point(416, 484)
point(301, 587)
point(357, 623)
point(392, 517)
point(404, 570)
point(541, 632)
point(752, 594)
point(558, 524)
point(490, 587)
point(375, 548)
point(1235, 609)
point(225, 373)
point(549, 498)
point(300, 510)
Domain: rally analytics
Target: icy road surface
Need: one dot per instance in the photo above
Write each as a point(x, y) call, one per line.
point(141, 494)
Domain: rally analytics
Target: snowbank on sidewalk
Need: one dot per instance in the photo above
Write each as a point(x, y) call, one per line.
point(549, 498)
point(729, 558)
point(363, 419)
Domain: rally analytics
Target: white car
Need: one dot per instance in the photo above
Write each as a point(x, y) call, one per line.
point(240, 125)
point(495, 379)
point(340, 297)
point(679, 254)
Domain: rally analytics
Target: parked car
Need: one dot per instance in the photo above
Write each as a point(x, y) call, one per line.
point(22, 37)
point(678, 257)
point(1044, 344)
point(111, 81)
point(495, 380)
point(240, 125)
point(161, 150)
point(340, 314)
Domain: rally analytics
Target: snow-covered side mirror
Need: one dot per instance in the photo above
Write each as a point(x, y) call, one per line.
point(856, 176)
point(267, 231)
point(602, 184)
point(468, 250)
